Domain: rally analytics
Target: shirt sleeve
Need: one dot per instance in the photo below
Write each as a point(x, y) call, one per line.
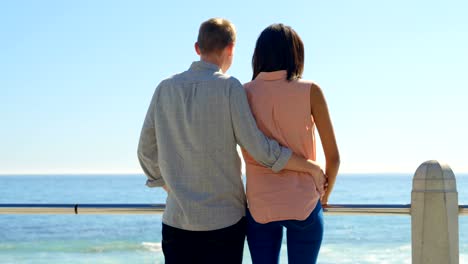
point(264, 150)
point(148, 148)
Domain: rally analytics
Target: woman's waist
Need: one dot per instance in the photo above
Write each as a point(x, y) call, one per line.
point(279, 188)
point(276, 210)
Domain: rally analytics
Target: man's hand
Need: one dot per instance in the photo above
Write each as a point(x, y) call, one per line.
point(320, 179)
point(298, 163)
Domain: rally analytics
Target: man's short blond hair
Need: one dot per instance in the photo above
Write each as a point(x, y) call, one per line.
point(215, 34)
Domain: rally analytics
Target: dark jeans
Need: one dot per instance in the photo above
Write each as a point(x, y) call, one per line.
point(304, 239)
point(224, 245)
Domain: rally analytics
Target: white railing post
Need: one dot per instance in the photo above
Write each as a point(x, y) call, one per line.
point(434, 215)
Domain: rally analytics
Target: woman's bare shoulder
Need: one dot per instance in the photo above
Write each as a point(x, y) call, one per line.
point(310, 83)
point(316, 94)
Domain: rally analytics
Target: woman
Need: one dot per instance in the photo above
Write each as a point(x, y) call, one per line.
point(287, 109)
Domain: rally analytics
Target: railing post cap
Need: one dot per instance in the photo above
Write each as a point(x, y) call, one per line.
point(433, 175)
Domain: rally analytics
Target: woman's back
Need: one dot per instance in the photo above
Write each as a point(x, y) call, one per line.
point(287, 109)
point(283, 112)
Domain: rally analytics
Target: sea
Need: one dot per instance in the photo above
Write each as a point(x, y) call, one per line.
point(137, 238)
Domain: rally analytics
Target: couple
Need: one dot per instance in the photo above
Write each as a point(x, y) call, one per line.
point(188, 146)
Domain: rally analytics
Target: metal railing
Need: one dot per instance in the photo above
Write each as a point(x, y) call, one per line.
point(336, 209)
point(339, 209)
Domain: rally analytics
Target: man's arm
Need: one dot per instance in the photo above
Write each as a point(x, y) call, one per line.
point(264, 150)
point(148, 149)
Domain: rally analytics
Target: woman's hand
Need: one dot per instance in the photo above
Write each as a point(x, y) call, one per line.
point(324, 197)
point(324, 200)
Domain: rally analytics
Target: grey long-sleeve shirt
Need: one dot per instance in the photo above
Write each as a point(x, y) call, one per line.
point(188, 142)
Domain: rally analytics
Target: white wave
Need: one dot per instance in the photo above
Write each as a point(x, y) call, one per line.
point(151, 246)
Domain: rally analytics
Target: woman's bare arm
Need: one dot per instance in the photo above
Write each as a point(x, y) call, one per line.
point(319, 111)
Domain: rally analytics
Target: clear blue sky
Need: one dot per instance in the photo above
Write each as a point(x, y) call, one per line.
point(76, 77)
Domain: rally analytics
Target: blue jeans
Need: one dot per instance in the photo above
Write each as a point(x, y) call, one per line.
point(303, 239)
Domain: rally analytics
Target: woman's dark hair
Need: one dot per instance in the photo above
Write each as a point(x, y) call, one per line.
point(279, 47)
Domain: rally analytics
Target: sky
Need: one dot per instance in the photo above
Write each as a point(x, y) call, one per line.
point(76, 77)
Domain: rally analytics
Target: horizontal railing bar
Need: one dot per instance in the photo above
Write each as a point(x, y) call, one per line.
point(121, 208)
point(82, 208)
point(463, 209)
point(368, 209)
point(333, 209)
point(346, 209)
point(37, 209)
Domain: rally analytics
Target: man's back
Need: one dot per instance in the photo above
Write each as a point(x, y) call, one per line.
point(197, 149)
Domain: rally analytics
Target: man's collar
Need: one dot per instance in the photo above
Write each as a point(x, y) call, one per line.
point(203, 65)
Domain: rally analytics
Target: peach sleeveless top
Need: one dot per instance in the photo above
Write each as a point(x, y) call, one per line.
point(282, 112)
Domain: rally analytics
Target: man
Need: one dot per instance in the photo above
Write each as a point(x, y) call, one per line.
point(188, 146)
